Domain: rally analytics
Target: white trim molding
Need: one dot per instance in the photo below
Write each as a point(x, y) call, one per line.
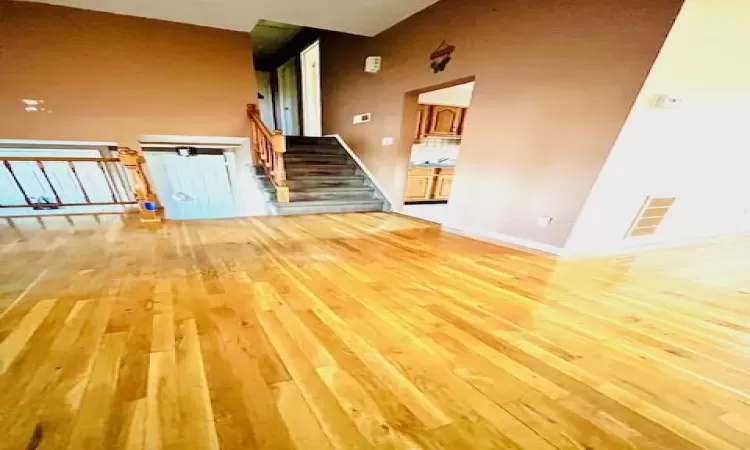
point(168, 139)
point(37, 143)
point(509, 241)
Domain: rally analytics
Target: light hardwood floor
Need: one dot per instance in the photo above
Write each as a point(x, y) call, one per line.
point(362, 331)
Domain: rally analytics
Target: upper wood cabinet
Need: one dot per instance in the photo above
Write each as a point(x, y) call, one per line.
point(445, 120)
point(436, 120)
point(423, 119)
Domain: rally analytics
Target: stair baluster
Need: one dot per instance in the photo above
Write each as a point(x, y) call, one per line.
point(269, 149)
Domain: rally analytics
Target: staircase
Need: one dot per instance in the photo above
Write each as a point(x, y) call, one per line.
point(322, 178)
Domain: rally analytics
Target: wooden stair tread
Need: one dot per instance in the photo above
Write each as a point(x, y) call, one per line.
point(302, 165)
point(328, 202)
point(328, 177)
point(335, 189)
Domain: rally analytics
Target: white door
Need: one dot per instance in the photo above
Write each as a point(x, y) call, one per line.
point(265, 103)
point(288, 97)
point(195, 187)
point(311, 108)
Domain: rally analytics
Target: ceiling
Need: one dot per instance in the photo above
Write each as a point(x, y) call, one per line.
point(364, 17)
point(268, 37)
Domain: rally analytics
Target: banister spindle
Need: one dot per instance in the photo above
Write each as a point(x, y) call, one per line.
point(110, 183)
point(269, 148)
point(18, 183)
point(78, 180)
point(40, 164)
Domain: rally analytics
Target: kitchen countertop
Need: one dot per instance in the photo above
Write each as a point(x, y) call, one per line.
point(432, 164)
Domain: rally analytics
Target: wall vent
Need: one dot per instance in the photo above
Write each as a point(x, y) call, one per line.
point(650, 216)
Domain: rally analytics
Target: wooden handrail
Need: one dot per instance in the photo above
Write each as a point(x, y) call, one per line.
point(268, 152)
point(57, 158)
point(136, 183)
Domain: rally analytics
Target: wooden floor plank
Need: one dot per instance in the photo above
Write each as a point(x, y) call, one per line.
point(343, 331)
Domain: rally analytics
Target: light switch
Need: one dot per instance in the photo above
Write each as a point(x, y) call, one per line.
point(387, 141)
point(361, 118)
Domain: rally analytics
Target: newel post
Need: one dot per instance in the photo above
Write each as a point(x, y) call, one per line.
point(278, 143)
point(146, 199)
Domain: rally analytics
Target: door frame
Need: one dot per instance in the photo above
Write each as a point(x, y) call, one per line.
point(266, 104)
point(286, 74)
point(410, 112)
point(312, 114)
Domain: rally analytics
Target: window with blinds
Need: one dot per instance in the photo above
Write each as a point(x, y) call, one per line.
point(650, 216)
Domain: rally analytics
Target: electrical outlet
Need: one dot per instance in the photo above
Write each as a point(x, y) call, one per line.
point(544, 221)
point(667, 102)
point(388, 141)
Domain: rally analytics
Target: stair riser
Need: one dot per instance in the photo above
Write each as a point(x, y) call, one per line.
point(310, 196)
point(323, 183)
point(306, 171)
point(293, 141)
point(282, 211)
point(317, 150)
point(292, 159)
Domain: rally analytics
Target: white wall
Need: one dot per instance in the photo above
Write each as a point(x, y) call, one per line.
point(698, 152)
point(434, 148)
point(459, 95)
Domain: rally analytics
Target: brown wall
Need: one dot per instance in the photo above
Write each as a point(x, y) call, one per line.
point(555, 80)
point(112, 78)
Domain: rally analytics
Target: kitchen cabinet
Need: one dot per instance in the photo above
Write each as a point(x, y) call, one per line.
point(443, 184)
point(419, 184)
point(437, 120)
point(423, 119)
point(428, 183)
point(445, 121)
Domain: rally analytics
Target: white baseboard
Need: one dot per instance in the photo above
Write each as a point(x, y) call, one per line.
point(507, 240)
point(574, 253)
point(633, 248)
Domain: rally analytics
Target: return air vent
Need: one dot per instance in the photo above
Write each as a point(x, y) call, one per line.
point(650, 216)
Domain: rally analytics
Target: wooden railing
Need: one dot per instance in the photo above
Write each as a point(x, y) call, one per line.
point(268, 152)
point(51, 183)
point(144, 195)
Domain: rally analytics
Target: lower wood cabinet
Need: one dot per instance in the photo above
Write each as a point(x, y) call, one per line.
point(443, 187)
point(418, 188)
point(428, 183)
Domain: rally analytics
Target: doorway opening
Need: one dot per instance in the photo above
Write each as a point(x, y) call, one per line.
point(288, 112)
point(287, 61)
point(436, 142)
